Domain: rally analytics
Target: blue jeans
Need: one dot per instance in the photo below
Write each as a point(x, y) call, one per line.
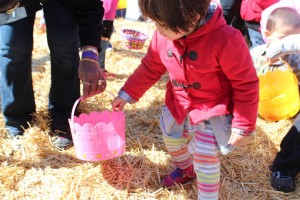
point(16, 44)
point(255, 37)
point(102, 53)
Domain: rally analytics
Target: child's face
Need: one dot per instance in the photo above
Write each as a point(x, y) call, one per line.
point(171, 35)
point(282, 32)
point(167, 32)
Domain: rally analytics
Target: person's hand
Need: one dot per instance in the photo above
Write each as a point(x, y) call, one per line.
point(296, 71)
point(284, 46)
point(239, 140)
point(8, 5)
point(118, 104)
point(91, 77)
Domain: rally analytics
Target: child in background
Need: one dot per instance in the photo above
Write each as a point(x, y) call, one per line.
point(283, 34)
point(287, 45)
point(110, 7)
point(121, 9)
point(286, 164)
point(283, 21)
point(251, 13)
point(211, 96)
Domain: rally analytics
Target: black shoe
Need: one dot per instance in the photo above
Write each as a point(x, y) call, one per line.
point(61, 130)
point(284, 182)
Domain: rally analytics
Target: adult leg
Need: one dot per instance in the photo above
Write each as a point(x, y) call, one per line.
point(231, 8)
point(108, 26)
point(16, 44)
point(288, 158)
point(286, 164)
point(110, 7)
point(102, 53)
point(62, 36)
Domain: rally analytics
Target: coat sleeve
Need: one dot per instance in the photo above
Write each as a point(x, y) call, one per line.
point(236, 63)
point(287, 45)
point(147, 73)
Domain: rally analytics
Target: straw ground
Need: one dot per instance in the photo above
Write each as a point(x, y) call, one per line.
point(32, 169)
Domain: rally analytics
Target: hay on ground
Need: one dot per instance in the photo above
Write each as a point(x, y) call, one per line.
point(31, 168)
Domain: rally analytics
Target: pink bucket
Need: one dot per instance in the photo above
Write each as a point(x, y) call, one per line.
point(98, 136)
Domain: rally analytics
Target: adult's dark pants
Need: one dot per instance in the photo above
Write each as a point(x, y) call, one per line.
point(16, 45)
point(231, 13)
point(288, 158)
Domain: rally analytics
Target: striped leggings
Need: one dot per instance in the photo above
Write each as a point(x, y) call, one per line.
point(204, 158)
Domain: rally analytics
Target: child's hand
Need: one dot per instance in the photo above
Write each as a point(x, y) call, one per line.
point(297, 72)
point(274, 51)
point(238, 140)
point(118, 104)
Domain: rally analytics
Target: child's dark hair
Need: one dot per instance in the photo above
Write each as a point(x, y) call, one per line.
point(286, 16)
point(176, 15)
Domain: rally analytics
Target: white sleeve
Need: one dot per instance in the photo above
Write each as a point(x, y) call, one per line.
point(287, 45)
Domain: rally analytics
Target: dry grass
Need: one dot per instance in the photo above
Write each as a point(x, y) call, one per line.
point(39, 171)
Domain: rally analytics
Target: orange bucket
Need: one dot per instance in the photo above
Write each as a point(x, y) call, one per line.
point(278, 93)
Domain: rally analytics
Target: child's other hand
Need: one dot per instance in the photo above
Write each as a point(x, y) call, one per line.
point(238, 140)
point(118, 104)
point(274, 51)
point(297, 72)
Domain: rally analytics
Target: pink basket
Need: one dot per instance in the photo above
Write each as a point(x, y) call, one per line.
point(98, 136)
point(133, 39)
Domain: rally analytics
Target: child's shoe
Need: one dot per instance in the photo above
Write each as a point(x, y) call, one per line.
point(284, 182)
point(179, 176)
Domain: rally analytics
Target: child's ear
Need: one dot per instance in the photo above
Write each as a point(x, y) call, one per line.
point(197, 17)
point(267, 34)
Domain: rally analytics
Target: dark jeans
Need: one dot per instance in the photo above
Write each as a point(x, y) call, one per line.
point(16, 44)
point(255, 37)
point(231, 13)
point(288, 158)
point(231, 10)
point(121, 13)
point(102, 53)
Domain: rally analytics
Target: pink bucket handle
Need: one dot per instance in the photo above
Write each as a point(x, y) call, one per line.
point(73, 110)
point(77, 102)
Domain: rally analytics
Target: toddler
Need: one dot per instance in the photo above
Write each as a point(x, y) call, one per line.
point(282, 31)
point(211, 96)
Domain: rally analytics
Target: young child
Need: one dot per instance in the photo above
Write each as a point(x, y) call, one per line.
point(110, 7)
point(212, 94)
point(286, 164)
point(251, 13)
point(282, 21)
point(283, 35)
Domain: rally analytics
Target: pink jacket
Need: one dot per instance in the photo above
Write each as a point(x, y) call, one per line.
point(251, 9)
point(217, 57)
point(110, 7)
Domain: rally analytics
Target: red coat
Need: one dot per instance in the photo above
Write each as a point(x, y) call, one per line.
point(223, 67)
point(251, 9)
